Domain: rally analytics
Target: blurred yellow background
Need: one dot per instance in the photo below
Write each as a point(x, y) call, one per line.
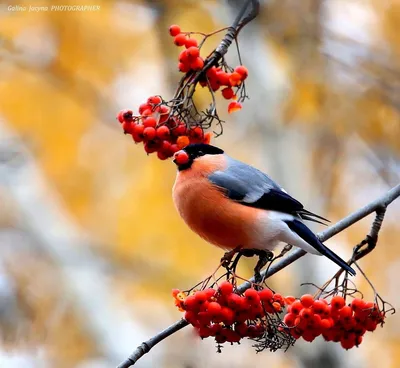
point(91, 245)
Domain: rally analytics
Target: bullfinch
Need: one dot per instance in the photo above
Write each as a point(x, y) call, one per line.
point(233, 205)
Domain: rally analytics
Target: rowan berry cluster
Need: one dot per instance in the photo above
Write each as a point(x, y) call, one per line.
point(335, 321)
point(158, 130)
point(230, 316)
point(214, 78)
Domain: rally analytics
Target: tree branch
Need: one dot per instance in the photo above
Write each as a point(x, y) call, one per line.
point(378, 206)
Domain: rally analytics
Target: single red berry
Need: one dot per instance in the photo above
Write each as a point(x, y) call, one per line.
point(150, 146)
point(128, 127)
point(307, 300)
point(181, 157)
point(234, 301)
point(184, 68)
point(326, 324)
point(252, 296)
point(180, 39)
point(337, 302)
point(191, 317)
point(174, 30)
point(183, 141)
point(190, 303)
point(137, 133)
point(154, 100)
point(163, 132)
point(201, 296)
point(184, 57)
point(228, 93)
point(149, 133)
point(175, 148)
point(197, 64)
point(179, 130)
point(147, 112)
point(162, 155)
point(242, 70)
point(149, 122)
point(234, 106)
point(346, 312)
point(192, 52)
point(241, 329)
point(306, 313)
point(289, 319)
point(227, 315)
point(266, 295)
point(143, 107)
point(235, 79)
point(289, 300)
point(225, 288)
point(191, 42)
point(125, 115)
point(210, 292)
point(319, 307)
point(214, 309)
point(196, 133)
point(222, 79)
point(308, 336)
point(296, 307)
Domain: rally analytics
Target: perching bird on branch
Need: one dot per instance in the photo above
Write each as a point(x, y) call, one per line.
point(231, 204)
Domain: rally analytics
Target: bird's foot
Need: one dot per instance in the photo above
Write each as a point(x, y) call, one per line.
point(227, 258)
point(264, 256)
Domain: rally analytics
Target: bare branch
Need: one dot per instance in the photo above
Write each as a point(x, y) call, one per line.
point(378, 206)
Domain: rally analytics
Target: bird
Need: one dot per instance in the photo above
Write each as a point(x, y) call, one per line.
point(233, 205)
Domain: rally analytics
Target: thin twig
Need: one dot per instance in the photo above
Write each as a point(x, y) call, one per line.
point(379, 205)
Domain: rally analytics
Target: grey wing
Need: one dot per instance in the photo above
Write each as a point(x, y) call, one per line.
point(251, 187)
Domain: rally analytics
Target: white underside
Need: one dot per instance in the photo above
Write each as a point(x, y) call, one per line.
point(271, 230)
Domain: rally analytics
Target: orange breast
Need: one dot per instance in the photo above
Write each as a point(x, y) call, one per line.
point(208, 212)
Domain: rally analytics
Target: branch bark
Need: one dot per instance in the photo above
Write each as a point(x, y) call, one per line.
point(379, 206)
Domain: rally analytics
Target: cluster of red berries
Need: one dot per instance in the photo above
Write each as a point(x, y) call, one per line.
point(227, 315)
point(159, 131)
point(215, 77)
point(335, 321)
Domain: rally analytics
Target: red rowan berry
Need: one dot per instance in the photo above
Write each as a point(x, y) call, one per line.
point(290, 300)
point(306, 313)
point(154, 100)
point(242, 70)
point(307, 300)
point(163, 132)
point(252, 296)
point(127, 127)
point(197, 64)
point(227, 315)
point(166, 148)
point(346, 312)
point(225, 288)
point(204, 332)
point(235, 79)
point(214, 308)
point(192, 52)
point(149, 133)
point(266, 295)
point(277, 307)
point(125, 115)
point(296, 307)
point(196, 133)
point(289, 319)
point(210, 292)
point(241, 329)
point(326, 324)
point(147, 112)
point(319, 307)
point(337, 302)
point(207, 138)
point(174, 148)
point(179, 130)
point(180, 39)
point(222, 78)
point(138, 130)
point(184, 68)
point(174, 30)
point(150, 146)
point(228, 93)
point(143, 107)
point(190, 316)
point(201, 296)
point(162, 155)
point(234, 301)
point(184, 57)
point(149, 122)
point(308, 336)
point(191, 42)
point(234, 106)
point(182, 141)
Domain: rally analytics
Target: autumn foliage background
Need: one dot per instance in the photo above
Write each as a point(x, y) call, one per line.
point(91, 245)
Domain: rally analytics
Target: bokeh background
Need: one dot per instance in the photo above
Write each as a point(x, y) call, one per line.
point(90, 243)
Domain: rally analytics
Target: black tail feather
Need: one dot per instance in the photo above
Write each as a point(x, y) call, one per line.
point(307, 235)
